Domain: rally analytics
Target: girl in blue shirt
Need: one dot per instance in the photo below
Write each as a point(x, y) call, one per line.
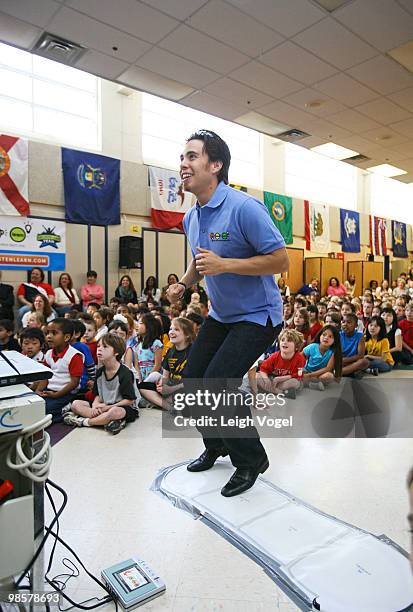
point(324, 358)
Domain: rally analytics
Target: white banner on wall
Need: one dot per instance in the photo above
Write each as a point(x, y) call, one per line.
point(27, 243)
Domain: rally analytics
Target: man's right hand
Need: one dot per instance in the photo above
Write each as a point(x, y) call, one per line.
point(175, 292)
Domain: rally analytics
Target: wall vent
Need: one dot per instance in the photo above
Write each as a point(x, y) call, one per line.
point(58, 49)
point(292, 135)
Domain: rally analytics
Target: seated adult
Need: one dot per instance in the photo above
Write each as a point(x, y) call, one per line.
point(26, 292)
point(41, 305)
point(383, 289)
point(91, 292)
point(310, 288)
point(335, 287)
point(6, 301)
point(401, 289)
point(65, 295)
point(352, 346)
point(126, 291)
point(283, 287)
point(350, 285)
point(171, 280)
point(151, 290)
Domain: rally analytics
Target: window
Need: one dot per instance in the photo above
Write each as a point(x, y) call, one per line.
point(165, 125)
point(43, 99)
point(390, 198)
point(312, 176)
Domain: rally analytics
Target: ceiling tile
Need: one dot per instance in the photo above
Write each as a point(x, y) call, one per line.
point(408, 163)
point(405, 178)
point(382, 23)
point(280, 111)
point(326, 130)
point(37, 13)
point(263, 124)
point(128, 15)
point(354, 121)
point(203, 50)
point(385, 137)
point(180, 9)
point(289, 18)
point(405, 127)
point(384, 111)
point(407, 4)
point(214, 106)
point(382, 74)
point(333, 43)
point(101, 65)
point(356, 143)
point(387, 156)
point(405, 148)
point(345, 89)
point(238, 93)
point(144, 80)
point(298, 63)
point(311, 141)
point(91, 34)
point(17, 32)
point(403, 98)
point(174, 67)
point(227, 24)
point(303, 97)
point(265, 79)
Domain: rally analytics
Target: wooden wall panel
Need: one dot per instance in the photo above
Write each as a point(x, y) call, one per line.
point(372, 270)
point(330, 267)
point(295, 276)
point(356, 268)
point(312, 268)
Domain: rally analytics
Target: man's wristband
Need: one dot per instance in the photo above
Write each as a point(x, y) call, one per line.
point(183, 284)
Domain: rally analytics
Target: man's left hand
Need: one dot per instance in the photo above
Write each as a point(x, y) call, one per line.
point(208, 263)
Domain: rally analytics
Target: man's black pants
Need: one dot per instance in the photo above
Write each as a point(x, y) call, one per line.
point(220, 356)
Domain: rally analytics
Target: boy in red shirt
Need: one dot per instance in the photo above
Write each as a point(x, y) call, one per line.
point(406, 325)
point(282, 372)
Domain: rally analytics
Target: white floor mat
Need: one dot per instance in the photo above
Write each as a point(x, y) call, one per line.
point(321, 562)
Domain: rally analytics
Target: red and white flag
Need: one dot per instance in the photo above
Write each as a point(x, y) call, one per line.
point(169, 202)
point(378, 228)
point(14, 196)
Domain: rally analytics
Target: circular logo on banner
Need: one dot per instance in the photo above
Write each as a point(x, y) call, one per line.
point(90, 178)
point(278, 211)
point(4, 162)
point(17, 234)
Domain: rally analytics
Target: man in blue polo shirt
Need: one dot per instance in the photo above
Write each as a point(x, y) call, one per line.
point(238, 249)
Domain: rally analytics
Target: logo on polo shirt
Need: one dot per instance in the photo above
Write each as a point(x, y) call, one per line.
point(219, 236)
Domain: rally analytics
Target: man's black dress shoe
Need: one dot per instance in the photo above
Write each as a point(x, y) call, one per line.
point(243, 479)
point(206, 460)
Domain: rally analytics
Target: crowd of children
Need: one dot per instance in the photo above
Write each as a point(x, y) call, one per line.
point(110, 360)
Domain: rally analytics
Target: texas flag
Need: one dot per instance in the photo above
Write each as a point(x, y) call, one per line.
point(14, 196)
point(169, 202)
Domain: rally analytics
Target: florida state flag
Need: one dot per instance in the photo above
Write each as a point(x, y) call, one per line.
point(14, 196)
point(169, 202)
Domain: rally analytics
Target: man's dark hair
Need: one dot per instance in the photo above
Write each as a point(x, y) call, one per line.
point(78, 327)
point(66, 325)
point(216, 149)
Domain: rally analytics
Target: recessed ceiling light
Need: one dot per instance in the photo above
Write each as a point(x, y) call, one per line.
point(314, 104)
point(386, 170)
point(334, 151)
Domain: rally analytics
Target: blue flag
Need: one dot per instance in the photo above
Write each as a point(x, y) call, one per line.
point(91, 187)
point(350, 230)
point(398, 230)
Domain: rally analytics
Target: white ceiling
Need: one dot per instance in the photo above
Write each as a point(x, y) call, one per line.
point(257, 62)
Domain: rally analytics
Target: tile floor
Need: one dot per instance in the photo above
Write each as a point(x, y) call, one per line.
point(112, 514)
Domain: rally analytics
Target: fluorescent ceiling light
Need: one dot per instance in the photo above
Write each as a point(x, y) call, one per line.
point(335, 151)
point(386, 170)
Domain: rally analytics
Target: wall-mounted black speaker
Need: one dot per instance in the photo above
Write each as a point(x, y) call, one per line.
point(370, 257)
point(130, 252)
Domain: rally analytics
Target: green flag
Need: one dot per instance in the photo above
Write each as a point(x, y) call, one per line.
point(281, 212)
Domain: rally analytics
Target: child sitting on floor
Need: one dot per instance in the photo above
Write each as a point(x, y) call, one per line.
point(115, 398)
point(181, 335)
point(66, 364)
point(378, 347)
point(301, 323)
point(324, 359)
point(32, 342)
point(283, 370)
point(7, 340)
